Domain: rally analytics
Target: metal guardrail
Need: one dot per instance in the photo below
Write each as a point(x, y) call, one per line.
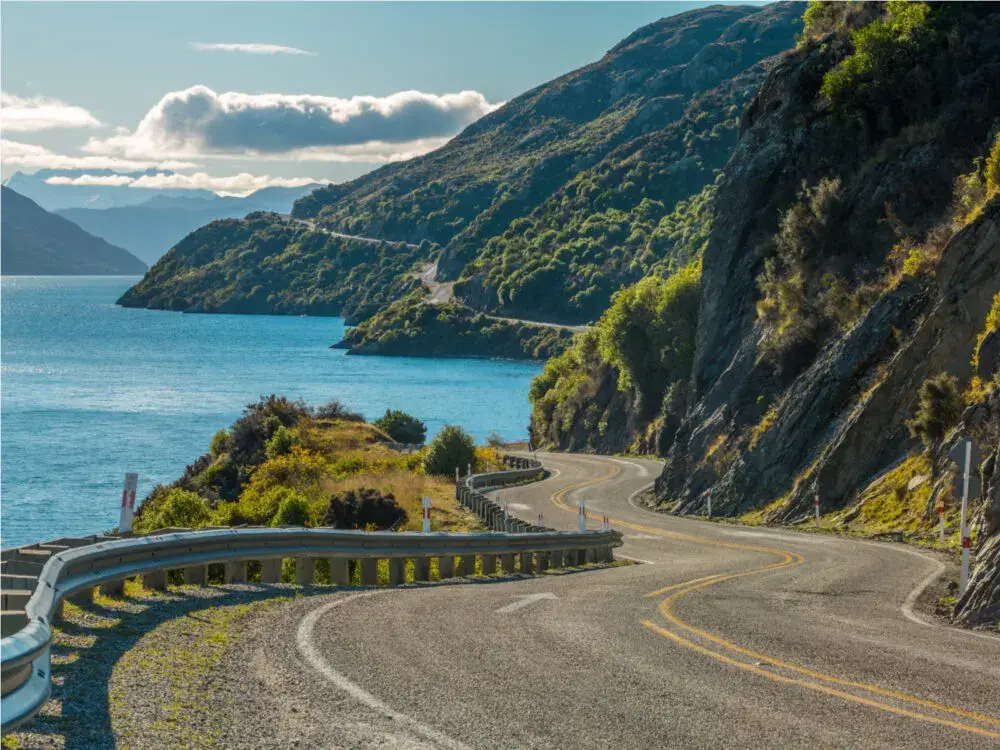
point(493, 513)
point(26, 661)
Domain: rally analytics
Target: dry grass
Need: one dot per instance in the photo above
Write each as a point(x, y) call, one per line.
point(765, 424)
point(410, 489)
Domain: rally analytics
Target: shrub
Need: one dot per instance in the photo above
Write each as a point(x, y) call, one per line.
point(172, 507)
point(336, 410)
point(363, 508)
point(401, 427)
point(993, 168)
point(280, 442)
point(293, 510)
point(451, 448)
point(219, 443)
point(939, 409)
point(648, 333)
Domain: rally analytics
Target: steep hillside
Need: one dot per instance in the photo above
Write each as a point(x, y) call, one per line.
point(151, 228)
point(853, 255)
point(264, 264)
point(548, 205)
point(35, 242)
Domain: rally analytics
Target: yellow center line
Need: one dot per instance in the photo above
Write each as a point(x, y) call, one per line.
point(788, 559)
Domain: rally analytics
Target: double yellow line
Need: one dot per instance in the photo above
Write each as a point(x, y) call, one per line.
point(819, 682)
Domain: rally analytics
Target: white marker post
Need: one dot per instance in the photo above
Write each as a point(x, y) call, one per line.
point(469, 473)
point(456, 475)
point(427, 515)
point(128, 503)
point(539, 519)
point(817, 510)
point(582, 516)
point(708, 495)
point(966, 541)
point(941, 519)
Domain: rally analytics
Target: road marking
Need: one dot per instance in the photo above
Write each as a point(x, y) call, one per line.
point(525, 600)
point(519, 506)
point(816, 686)
point(312, 655)
point(640, 536)
point(788, 559)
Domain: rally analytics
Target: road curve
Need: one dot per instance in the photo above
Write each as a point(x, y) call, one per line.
point(725, 636)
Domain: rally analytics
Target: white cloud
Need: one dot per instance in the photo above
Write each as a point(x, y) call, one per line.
point(199, 122)
point(30, 115)
point(95, 180)
point(251, 48)
point(30, 156)
point(243, 183)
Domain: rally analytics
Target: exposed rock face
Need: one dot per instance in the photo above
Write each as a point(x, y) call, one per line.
point(981, 603)
point(840, 410)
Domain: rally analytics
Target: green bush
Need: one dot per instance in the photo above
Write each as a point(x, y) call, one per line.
point(293, 510)
point(939, 409)
point(219, 443)
point(885, 61)
point(648, 333)
point(280, 442)
point(172, 507)
point(451, 448)
point(401, 427)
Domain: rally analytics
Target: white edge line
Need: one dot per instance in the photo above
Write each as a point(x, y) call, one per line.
point(312, 655)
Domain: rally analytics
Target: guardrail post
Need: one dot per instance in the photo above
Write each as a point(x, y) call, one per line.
point(556, 558)
point(467, 565)
point(507, 562)
point(270, 571)
point(369, 572)
point(527, 564)
point(543, 561)
point(489, 564)
point(446, 567)
point(397, 568)
point(305, 568)
point(236, 572)
point(155, 580)
point(421, 569)
point(607, 554)
point(196, 575)
point(340, 571)
point(114, 589)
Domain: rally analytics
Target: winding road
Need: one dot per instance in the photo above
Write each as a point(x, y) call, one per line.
point(722, 636)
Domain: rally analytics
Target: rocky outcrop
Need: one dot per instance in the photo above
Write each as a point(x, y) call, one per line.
point(826, 418)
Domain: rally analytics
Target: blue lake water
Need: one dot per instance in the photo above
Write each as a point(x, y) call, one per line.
point(90, 391)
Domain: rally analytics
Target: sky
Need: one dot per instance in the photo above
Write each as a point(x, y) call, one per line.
point(235, 96)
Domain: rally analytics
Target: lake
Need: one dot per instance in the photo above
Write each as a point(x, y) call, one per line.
point(91, 391)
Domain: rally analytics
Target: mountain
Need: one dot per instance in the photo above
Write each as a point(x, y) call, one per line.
point(55, 197)
point(34, 241)
point(545, 207)
point(840, 328)
point(151, 228)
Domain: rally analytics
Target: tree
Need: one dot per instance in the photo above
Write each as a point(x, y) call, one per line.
point(452, 448)
point(939, 409)
point(401, 427)
point(293, 511)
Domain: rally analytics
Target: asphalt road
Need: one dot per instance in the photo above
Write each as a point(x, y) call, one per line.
point(725, 636)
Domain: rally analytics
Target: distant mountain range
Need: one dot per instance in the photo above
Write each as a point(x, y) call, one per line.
point(151, 228)
point(36, 242)
point(55, 197)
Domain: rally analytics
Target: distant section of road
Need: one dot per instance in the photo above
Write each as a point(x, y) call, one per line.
point(726, 636)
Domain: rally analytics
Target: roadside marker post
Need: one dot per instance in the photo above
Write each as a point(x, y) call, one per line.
point(456, 475)
point(941, 520)
point(539, 519)
point(469, 473)
point(965, 518)
point(128, 503)
point(708, 495)
point(582, 516)
point(966, 454)
point(817, 510)
point(427, 515)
